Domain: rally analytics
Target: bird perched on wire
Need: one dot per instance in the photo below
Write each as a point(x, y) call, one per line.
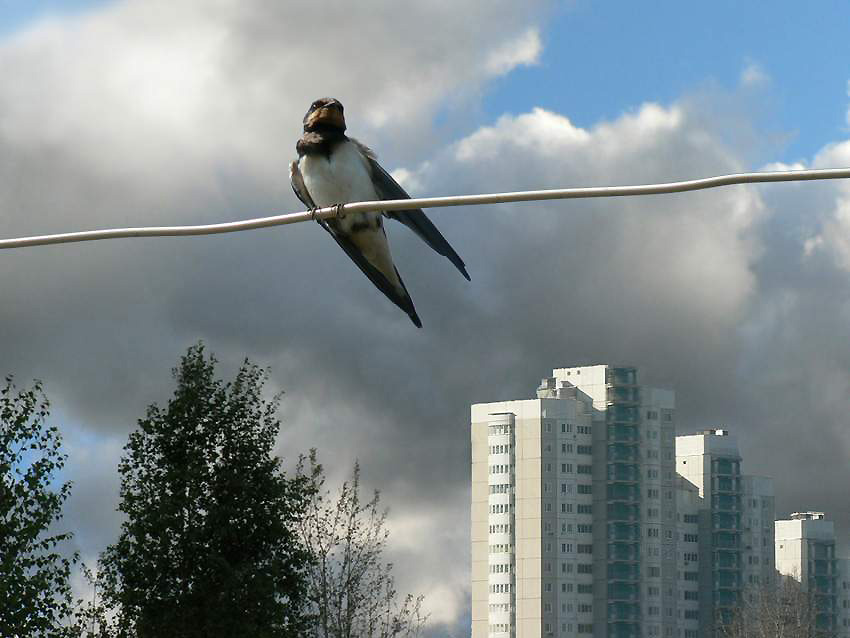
point(333, 169)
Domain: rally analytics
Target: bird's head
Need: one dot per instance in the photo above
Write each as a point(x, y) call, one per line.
point(325, 112)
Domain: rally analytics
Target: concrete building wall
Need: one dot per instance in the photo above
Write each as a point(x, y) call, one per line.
point(843, 598)
point(758, 536)
point(689, 505)
point(735, 516)
point(617, 528)
point(548, 544)
point(805, 551)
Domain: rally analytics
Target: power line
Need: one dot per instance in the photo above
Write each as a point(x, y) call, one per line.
point(429, 202)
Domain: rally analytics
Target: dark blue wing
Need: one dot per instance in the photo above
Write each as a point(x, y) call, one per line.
point(375, 276)
point(415, 218)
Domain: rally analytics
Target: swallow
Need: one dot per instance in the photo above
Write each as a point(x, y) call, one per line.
point(334, 169)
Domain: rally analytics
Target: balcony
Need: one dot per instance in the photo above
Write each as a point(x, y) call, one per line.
point(823, 584)
point(624, 592)
point(621, 376)
point(619, 413)
point(623, 532)
point(726, 467)
point(726, 598)
point(623, 433)
point(623, 394)
point(726, 521)
point(726, 503)
point(727, 580)
point(726, 560)
point(623, 611)
point(624, 472)
point(623, 512)
point(727, 484)
point(726, 540)
point(624, 492)
point(622, 452)
point(627, 572)
point(623, 629)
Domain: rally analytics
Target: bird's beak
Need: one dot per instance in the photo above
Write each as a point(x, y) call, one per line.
point(330, 115)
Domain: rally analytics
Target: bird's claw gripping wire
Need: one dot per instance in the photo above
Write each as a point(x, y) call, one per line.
point(338, 211)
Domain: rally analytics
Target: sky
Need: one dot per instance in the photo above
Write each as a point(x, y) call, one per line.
point(155, 112)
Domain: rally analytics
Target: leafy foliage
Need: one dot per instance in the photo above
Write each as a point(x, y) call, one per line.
point(35, 594)
point(351, 590)
point(209, 547)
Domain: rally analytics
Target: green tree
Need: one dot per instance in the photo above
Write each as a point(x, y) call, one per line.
point(35, 594)
point(209, 547)
point(352, 590)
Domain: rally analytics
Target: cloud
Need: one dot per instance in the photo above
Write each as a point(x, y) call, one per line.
point(153, 112)
point(753, 76)
point(523, 51)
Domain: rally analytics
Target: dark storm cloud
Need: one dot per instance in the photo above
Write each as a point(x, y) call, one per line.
point(154, 112)
point(166, 112)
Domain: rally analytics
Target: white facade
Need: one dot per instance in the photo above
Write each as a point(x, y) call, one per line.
point(805, 551)
point(757, 540)
point(532, 518)
point(582, 527)
point(688, 506)
point(587, 492)
point(735, 529)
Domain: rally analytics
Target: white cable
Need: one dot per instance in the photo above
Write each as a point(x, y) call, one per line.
point(429, 202)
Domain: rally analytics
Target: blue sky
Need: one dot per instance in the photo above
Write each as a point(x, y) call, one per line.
point(601, 59)
point(17, 14)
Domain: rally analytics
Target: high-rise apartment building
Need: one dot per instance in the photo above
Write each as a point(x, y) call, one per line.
point(574, 525)
point(688, 506)
point(805, 551)
point(734, 515)
point(582, 527)
point(842, 621)
point(532, 534)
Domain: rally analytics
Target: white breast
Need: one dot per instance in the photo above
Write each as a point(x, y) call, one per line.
point(340, 179)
